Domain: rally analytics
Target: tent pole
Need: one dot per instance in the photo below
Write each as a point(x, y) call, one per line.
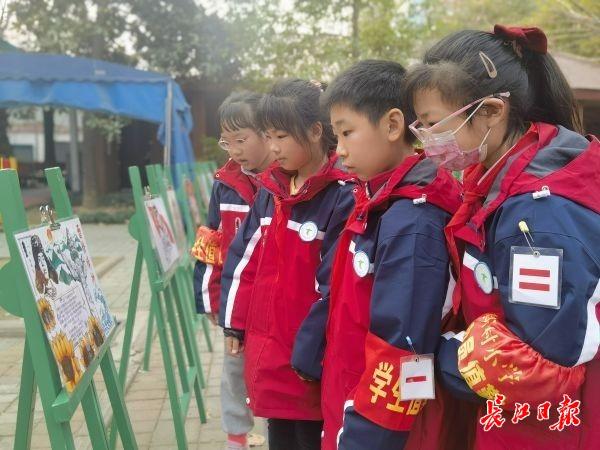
point(168, 124)
point(75, 170)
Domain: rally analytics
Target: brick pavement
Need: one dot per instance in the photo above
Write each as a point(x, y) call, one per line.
point(146, 395)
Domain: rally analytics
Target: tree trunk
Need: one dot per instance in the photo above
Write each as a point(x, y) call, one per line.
point(94, 154)
point(92, 145)
point(49, 144)
point(355, 30)
point(74, 166)
point(5, 147)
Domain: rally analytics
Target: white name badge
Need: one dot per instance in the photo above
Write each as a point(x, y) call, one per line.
point(308, 231)
point(535, 276)
point(416, 377)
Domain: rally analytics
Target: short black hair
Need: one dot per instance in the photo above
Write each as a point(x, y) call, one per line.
point(371, 87)
point(293, 105)
point(239, 111)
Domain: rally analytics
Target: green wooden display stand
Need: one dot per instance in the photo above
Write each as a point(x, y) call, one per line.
point(39, 370)
point(164, 181)
point(190, 171)
point(159, 182)
point(199, 199)
point(212, 166)
point(186, 211)
point(170, 310)
point(200, 320)
point(204, 173)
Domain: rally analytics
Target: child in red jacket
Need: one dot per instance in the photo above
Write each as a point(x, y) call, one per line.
point(524, 242)
point(279, 263)
point(232, 196)
point(390, 274)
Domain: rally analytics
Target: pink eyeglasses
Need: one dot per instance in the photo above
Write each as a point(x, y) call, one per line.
point(421, 132)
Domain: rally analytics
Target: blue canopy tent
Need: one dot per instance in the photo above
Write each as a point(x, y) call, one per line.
point(58, 80)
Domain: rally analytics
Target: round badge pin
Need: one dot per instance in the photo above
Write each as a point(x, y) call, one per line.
point(483, 277)
point(308, 231)
point(361, 264)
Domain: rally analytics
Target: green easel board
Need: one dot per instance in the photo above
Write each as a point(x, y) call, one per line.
point(185, 202)
point(191, 171)
point(190, 201)
point(199, 320)
point(170, 310)
point(39, 370)
point(160, 181)
point(204, 173)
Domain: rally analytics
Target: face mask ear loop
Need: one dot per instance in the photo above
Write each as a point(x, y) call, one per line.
point(469, 117)
point(482, 149)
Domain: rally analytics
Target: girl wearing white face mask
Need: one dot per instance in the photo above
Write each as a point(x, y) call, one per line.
point(524, 242)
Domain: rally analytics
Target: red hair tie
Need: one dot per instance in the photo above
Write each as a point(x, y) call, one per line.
point(531, 38)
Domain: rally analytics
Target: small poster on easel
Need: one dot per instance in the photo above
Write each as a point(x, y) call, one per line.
point(177, 219)
point(72, 307)
point(194, 209)
point(163, 237)
point(204, 190)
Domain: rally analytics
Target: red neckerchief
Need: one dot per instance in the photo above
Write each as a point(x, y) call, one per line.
point(277, 181)
point(231, 175)
point(377, 182)
point(363, 194)
point(443, 191)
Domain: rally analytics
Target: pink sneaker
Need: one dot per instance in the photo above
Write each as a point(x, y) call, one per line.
point(229, 445)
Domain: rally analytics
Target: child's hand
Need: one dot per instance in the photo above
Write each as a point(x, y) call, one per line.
point(233, 346)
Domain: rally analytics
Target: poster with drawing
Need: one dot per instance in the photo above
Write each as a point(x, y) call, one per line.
point(163, 238)
point(72, 307)
point(191, 196)
point(204, 189)
point(177, 220)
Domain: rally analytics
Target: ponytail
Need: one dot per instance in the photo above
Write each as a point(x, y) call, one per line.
point(554, 101)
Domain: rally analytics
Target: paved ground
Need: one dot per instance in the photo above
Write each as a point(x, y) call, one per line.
point(146, 394)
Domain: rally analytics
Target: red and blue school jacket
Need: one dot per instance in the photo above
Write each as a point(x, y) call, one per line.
point(390, 280)
point(230, 201)
point(525, 244)
point(278, 267)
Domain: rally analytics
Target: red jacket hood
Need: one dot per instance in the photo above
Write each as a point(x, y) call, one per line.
point(556, 158)
point(245, 185)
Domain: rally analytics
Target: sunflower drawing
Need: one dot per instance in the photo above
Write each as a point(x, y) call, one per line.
point(87, 351)
point(65, 356)
point(46, 314)
point(95, 331)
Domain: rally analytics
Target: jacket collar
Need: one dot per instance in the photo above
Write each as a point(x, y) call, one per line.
point(277, 181)
point(233, 176)
point(415, 178)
